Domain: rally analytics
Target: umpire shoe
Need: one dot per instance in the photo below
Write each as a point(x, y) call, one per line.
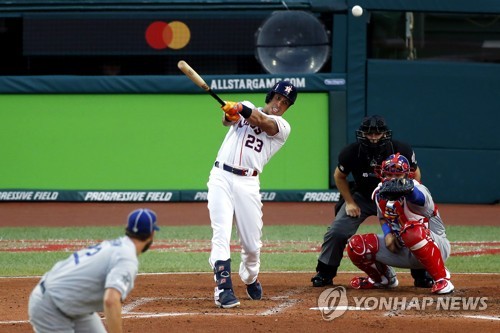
point(254, 290)
point(321, 280)
point(224, 298)
point(423, 283)
point(422, 279)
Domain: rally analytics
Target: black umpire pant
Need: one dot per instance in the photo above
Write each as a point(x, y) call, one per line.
point(339, 232)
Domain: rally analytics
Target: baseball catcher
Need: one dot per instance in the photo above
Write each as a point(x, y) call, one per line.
point(413, 232)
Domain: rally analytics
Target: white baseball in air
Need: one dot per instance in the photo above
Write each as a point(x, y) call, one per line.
point(357, 11)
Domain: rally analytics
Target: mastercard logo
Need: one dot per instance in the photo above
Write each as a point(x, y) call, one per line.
point(161, 35)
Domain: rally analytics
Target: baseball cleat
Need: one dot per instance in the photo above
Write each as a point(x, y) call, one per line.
point(360, 282)
point(321, 281)
point(224, 298)
point(423, 283)
point(443, 286)
point(421, 278)
point(254, 290)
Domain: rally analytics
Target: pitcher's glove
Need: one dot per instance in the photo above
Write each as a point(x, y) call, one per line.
point(396, 188)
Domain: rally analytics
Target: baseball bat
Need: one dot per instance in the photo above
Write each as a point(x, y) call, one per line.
point(198, 80)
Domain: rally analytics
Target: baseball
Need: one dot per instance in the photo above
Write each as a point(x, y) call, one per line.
point(357, 11)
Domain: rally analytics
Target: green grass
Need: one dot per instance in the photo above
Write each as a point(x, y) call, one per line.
point(36, 263)
point(271, 233)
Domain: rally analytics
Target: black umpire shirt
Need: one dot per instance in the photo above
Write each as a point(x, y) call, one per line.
point(357, 160)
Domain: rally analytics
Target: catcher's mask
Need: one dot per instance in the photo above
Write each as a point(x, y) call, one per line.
point(373, 125)
point(284, 88)
point(394, 166)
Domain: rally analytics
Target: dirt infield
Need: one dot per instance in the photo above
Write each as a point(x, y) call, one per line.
point(184, 302)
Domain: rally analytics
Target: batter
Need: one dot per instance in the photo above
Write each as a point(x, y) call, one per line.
point(254, 136)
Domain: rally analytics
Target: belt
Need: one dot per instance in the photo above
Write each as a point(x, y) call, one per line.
point(236, 171)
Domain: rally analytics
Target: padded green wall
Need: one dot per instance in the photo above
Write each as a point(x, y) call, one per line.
point(139, 142)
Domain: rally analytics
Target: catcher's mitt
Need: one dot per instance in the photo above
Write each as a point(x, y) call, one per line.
point(396, 188)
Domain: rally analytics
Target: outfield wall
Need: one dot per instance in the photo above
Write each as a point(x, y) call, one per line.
point(138, 142)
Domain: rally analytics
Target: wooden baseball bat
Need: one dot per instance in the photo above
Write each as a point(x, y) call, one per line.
point(198, 80)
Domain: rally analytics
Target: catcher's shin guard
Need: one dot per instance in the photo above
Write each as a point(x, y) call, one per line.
point(417, 238)
point(362, 250)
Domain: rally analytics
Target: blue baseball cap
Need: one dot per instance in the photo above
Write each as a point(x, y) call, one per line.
point(142, 221)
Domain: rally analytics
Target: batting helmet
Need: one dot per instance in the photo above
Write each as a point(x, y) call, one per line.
point(370, 125)
point(395, 165)
point(284, 88)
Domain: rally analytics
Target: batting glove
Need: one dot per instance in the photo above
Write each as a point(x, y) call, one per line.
point(230, 108)
point(232, 118)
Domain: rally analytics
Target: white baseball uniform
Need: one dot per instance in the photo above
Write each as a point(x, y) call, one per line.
point(234, 191)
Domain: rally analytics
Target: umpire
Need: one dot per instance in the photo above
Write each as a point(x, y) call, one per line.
point(374, 144)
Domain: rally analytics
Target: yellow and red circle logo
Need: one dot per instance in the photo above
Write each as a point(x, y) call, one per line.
point(161, 35)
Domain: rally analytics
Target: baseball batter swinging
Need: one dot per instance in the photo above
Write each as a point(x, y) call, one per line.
point(94, 279)
point(254, 136)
